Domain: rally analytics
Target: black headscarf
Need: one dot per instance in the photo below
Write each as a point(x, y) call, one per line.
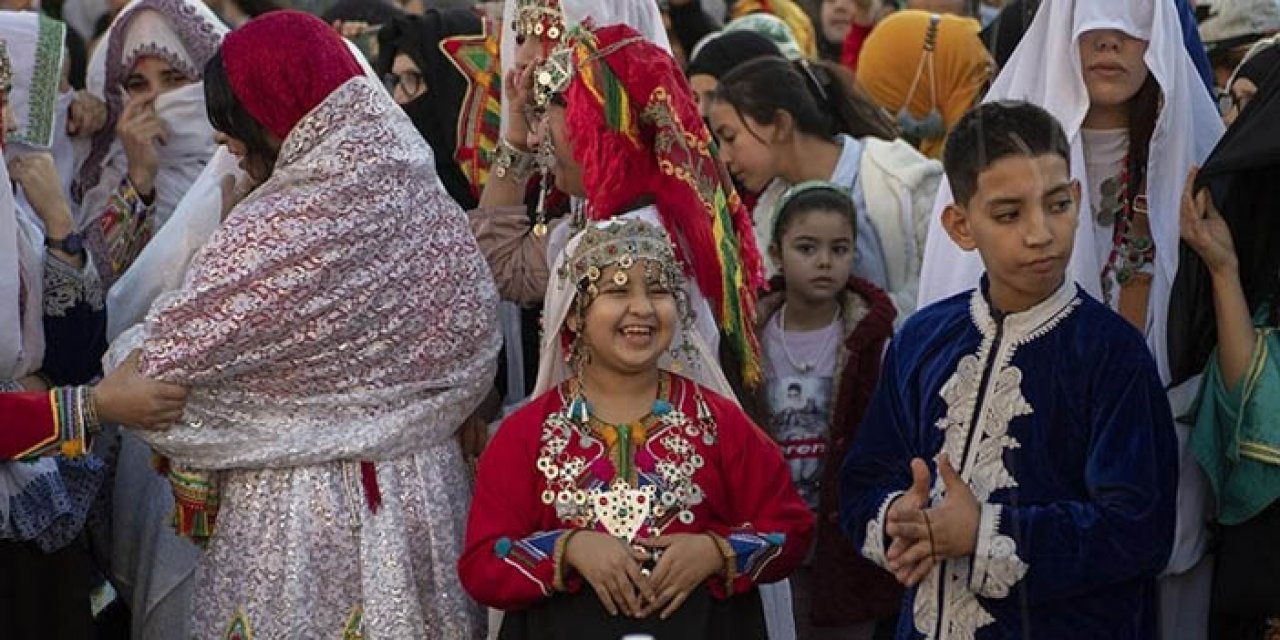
point(1005, 32)
point(724, 52)
point(1241, 177)
point(1260, 65)
point(436, 112)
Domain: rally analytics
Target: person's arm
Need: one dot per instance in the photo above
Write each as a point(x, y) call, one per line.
point(877, 470)
point(1204, 230)
point(1123, 529)
point(509, 560)
point(771, 526)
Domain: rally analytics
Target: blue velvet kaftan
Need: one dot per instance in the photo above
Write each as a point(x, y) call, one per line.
point(1057, 420)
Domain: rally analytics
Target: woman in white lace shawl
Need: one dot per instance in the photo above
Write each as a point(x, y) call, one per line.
point(334, 332)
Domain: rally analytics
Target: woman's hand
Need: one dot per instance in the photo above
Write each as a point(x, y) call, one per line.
point(86, 115)
point(517, 91)
point(1205, 230)
point(129, 398)
point(38, 177)
point(612, 569)
point(140, 130)
point(688, 559)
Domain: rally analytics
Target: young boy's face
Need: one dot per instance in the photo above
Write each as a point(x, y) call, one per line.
point(1022, 221)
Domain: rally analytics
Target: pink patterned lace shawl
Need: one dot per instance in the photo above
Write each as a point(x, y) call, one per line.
point(342, 312)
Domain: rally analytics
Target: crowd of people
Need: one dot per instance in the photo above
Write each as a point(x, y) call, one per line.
point(777, 319)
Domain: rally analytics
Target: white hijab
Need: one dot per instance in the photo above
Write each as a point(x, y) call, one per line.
point(34, 46)
point(1045, 70)
point(185, 33)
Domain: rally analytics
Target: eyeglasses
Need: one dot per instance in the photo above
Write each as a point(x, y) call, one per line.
point(410, 82)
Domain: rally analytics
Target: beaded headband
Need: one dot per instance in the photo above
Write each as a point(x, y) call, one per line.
point(539, 19)
point(557, 71)
point(622, 243)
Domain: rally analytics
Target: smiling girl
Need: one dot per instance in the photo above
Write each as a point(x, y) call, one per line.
point(660, 495)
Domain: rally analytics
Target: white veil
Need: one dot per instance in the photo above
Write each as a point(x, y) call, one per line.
point(1045, 70)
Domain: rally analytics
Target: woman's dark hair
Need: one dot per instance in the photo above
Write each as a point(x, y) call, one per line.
point(255, 8)
point(821, 98)
point(1144, 109)
point(810, 200)
point(228, 116)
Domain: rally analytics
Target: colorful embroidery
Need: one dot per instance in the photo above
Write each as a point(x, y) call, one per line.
point(983, 397)
point(354, 629)
point(239, 628)
point(479, 121)
point(581, 486)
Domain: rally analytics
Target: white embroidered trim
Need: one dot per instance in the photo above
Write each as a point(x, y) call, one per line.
point(873, 547)
point(996, 565)
point(65, 287)
point(952, 597)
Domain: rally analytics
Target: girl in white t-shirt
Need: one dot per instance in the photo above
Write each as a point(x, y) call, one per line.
point(822, 332)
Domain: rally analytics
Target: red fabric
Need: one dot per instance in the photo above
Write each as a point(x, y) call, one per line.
point(853, 45)
point(284, 64)
point(838, 568)
point(745, 481)
point(665, 152)
point(372, 493)
point(27, 426)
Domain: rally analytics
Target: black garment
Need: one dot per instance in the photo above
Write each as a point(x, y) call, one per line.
point(727, 51)
point(45, 596)
point(436, 112)
point(1240, 175)
point(580, 616)
point(1257, 68)
point(1248, 561)
point(690, 24)
point(1005, 32)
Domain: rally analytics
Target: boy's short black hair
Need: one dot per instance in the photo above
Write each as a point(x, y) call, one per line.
point(995, 130)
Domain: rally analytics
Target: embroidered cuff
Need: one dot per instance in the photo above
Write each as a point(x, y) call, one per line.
point(874, 547)
point(66, 286)
point(753, 551)
point(730, 570)
point(996, 565)
point(537, 557)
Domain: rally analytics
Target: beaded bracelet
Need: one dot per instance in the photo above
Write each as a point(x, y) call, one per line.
point(77, 418)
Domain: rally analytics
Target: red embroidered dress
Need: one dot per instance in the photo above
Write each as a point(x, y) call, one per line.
point(698, 461)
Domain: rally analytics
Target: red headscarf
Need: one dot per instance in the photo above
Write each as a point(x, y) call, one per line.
point(637, 132)
point(284, 64)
